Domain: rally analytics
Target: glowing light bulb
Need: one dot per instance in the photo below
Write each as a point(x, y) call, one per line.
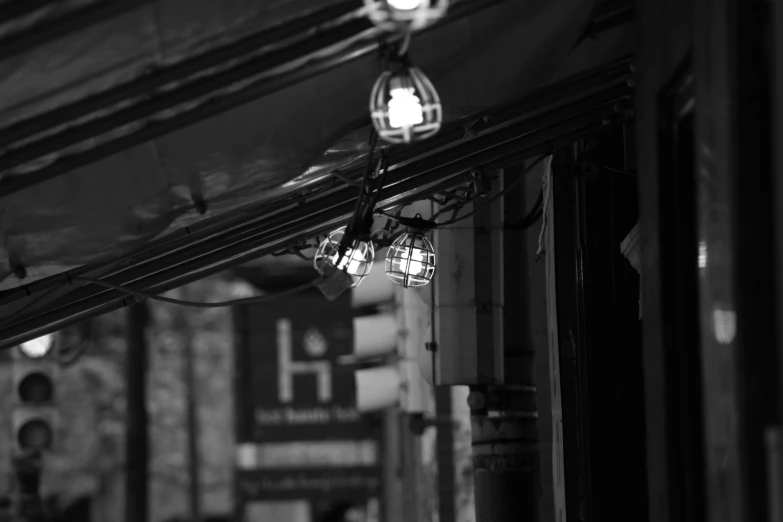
point(404, 5)
point(356, 262)
point(410, 261)
point(351, 262)
point(38, 347)
point(404, 108)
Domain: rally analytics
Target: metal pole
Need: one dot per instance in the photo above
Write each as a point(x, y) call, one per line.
point(192, 424)
point(445, 457)
point(137, 436)
point(504, 428)
point(505, 454)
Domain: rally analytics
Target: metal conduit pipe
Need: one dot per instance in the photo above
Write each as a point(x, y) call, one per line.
point(171, 273)
point(104, 301)
point(434, 168)
point(70, 312)
point(399, 159)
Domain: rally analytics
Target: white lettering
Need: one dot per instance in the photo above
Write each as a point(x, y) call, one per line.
point(287, 367)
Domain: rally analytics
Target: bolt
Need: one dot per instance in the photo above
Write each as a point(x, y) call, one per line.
point(431, 346)
point(477, 400)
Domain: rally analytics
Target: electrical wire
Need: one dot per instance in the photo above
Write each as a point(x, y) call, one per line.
point(197, 304)
point(268, 206)
point(342, 177)
point(530, 219)
point(631, 173)
point(496, 196)
point(406, 43)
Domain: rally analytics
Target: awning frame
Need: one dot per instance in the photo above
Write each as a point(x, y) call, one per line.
point(552, 117)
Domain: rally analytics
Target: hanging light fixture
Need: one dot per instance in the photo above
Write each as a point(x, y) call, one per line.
point(410, 14)
point(410, 260)
point(350, 249)
point(404, 104)
point(356, 259)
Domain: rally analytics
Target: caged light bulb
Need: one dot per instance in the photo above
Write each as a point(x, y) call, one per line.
point(356, 262)
point(405, 106)
point(410, 261)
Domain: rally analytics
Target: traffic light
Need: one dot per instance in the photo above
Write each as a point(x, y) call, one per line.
point(34, 416)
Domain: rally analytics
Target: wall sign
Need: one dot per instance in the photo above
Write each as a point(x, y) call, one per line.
point(299, 433)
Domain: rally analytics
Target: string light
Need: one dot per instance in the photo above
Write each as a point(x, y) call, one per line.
point(405, 106)
point(356, 260)
point(410, 14)
point(410, 261)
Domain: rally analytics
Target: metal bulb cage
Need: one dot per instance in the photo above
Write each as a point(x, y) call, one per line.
point(406, 13)
point(414, 82)
point(410, 261)
point(357, 261)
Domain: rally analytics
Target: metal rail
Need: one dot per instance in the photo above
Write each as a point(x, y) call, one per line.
point(405, 183)
point(543, 101)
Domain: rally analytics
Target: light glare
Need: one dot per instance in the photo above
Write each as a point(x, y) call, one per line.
point(351, 261)
point(38, 347)
point(404, 108)
point(702, 254)
point(405, 5)
point(356, 262)
point(411, 262)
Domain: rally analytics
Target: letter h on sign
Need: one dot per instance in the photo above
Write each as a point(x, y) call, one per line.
point(288, 367)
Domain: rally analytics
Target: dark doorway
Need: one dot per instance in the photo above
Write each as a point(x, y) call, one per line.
point(681, 260)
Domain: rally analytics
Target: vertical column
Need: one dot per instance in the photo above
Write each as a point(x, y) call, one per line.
point(137, 436)
point(504, 417)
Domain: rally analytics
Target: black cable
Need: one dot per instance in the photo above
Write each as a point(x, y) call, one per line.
point(363, 188)
point(197, 304)
point(535, 213)
point(496, 196)
point(631, 173)
point(342, 177)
